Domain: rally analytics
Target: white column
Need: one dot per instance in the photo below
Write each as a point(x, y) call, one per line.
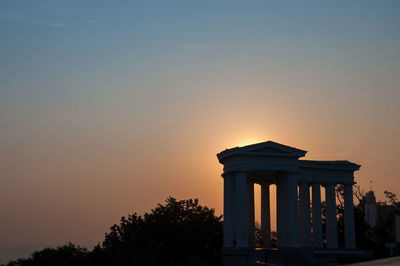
point(287, 210)
point(281, 219)
point(349, 230)
point(316, 215)
point(241, 212)
point(304, 220)
point(293, 214)
point(252, 231)
point(229, 210)
point(331, 223)
point(265, 216)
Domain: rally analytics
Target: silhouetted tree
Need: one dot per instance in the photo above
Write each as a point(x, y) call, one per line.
point(383, 230)
point(393, 201)
point(181, 233)
point(67, 255)
point(177, 233)
point(259, 238)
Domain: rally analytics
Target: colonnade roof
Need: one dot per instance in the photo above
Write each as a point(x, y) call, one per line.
point(263, 149)
point(270, 157)
point(329, 165)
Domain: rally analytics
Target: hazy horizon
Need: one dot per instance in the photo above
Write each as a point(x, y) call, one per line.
point(108, 108)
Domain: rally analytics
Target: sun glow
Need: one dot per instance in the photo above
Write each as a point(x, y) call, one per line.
point(248, 141)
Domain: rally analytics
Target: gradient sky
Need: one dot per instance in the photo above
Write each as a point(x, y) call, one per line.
point(107, 108)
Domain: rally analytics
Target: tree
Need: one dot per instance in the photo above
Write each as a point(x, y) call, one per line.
point(181, 233)
point(177, 233)
point(67, 255)
point(393, 201)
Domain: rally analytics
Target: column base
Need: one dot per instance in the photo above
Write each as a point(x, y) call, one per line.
point(240, 256)
point(289, 256)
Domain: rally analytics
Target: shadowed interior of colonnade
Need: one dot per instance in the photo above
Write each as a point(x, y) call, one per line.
point(300, 238)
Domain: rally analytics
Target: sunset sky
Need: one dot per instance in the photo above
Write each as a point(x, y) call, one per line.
point(109, 107)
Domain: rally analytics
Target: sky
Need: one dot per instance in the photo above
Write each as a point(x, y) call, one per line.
point(107, 108)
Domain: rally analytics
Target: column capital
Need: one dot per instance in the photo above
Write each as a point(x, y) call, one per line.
point(233, 172)
point(294, 175)
point(264, 183)
point(305, 181)
point(251, 181)
point(293, 172)
point(224, 175)
point(328, 185)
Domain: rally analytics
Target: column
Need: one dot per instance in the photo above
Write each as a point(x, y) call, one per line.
point(281, 219)
point(304, 219)
point(316, 216)
point(229, 210)
point(241, 211)
point(252, 231)
point(331, 223)
point(287, 211)
point(349, 230)
point(265, 216)
point(293, 213)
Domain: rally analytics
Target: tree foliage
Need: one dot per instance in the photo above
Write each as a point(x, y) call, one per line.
point(67, 255)
point(175, 233)
point(393, 201)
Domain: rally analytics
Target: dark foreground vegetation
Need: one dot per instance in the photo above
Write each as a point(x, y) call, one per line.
point(184, 233)
point(367, 237)
point(181, 233)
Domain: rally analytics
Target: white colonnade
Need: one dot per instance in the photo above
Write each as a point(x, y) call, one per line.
point(298, 210)
point(299, 222)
